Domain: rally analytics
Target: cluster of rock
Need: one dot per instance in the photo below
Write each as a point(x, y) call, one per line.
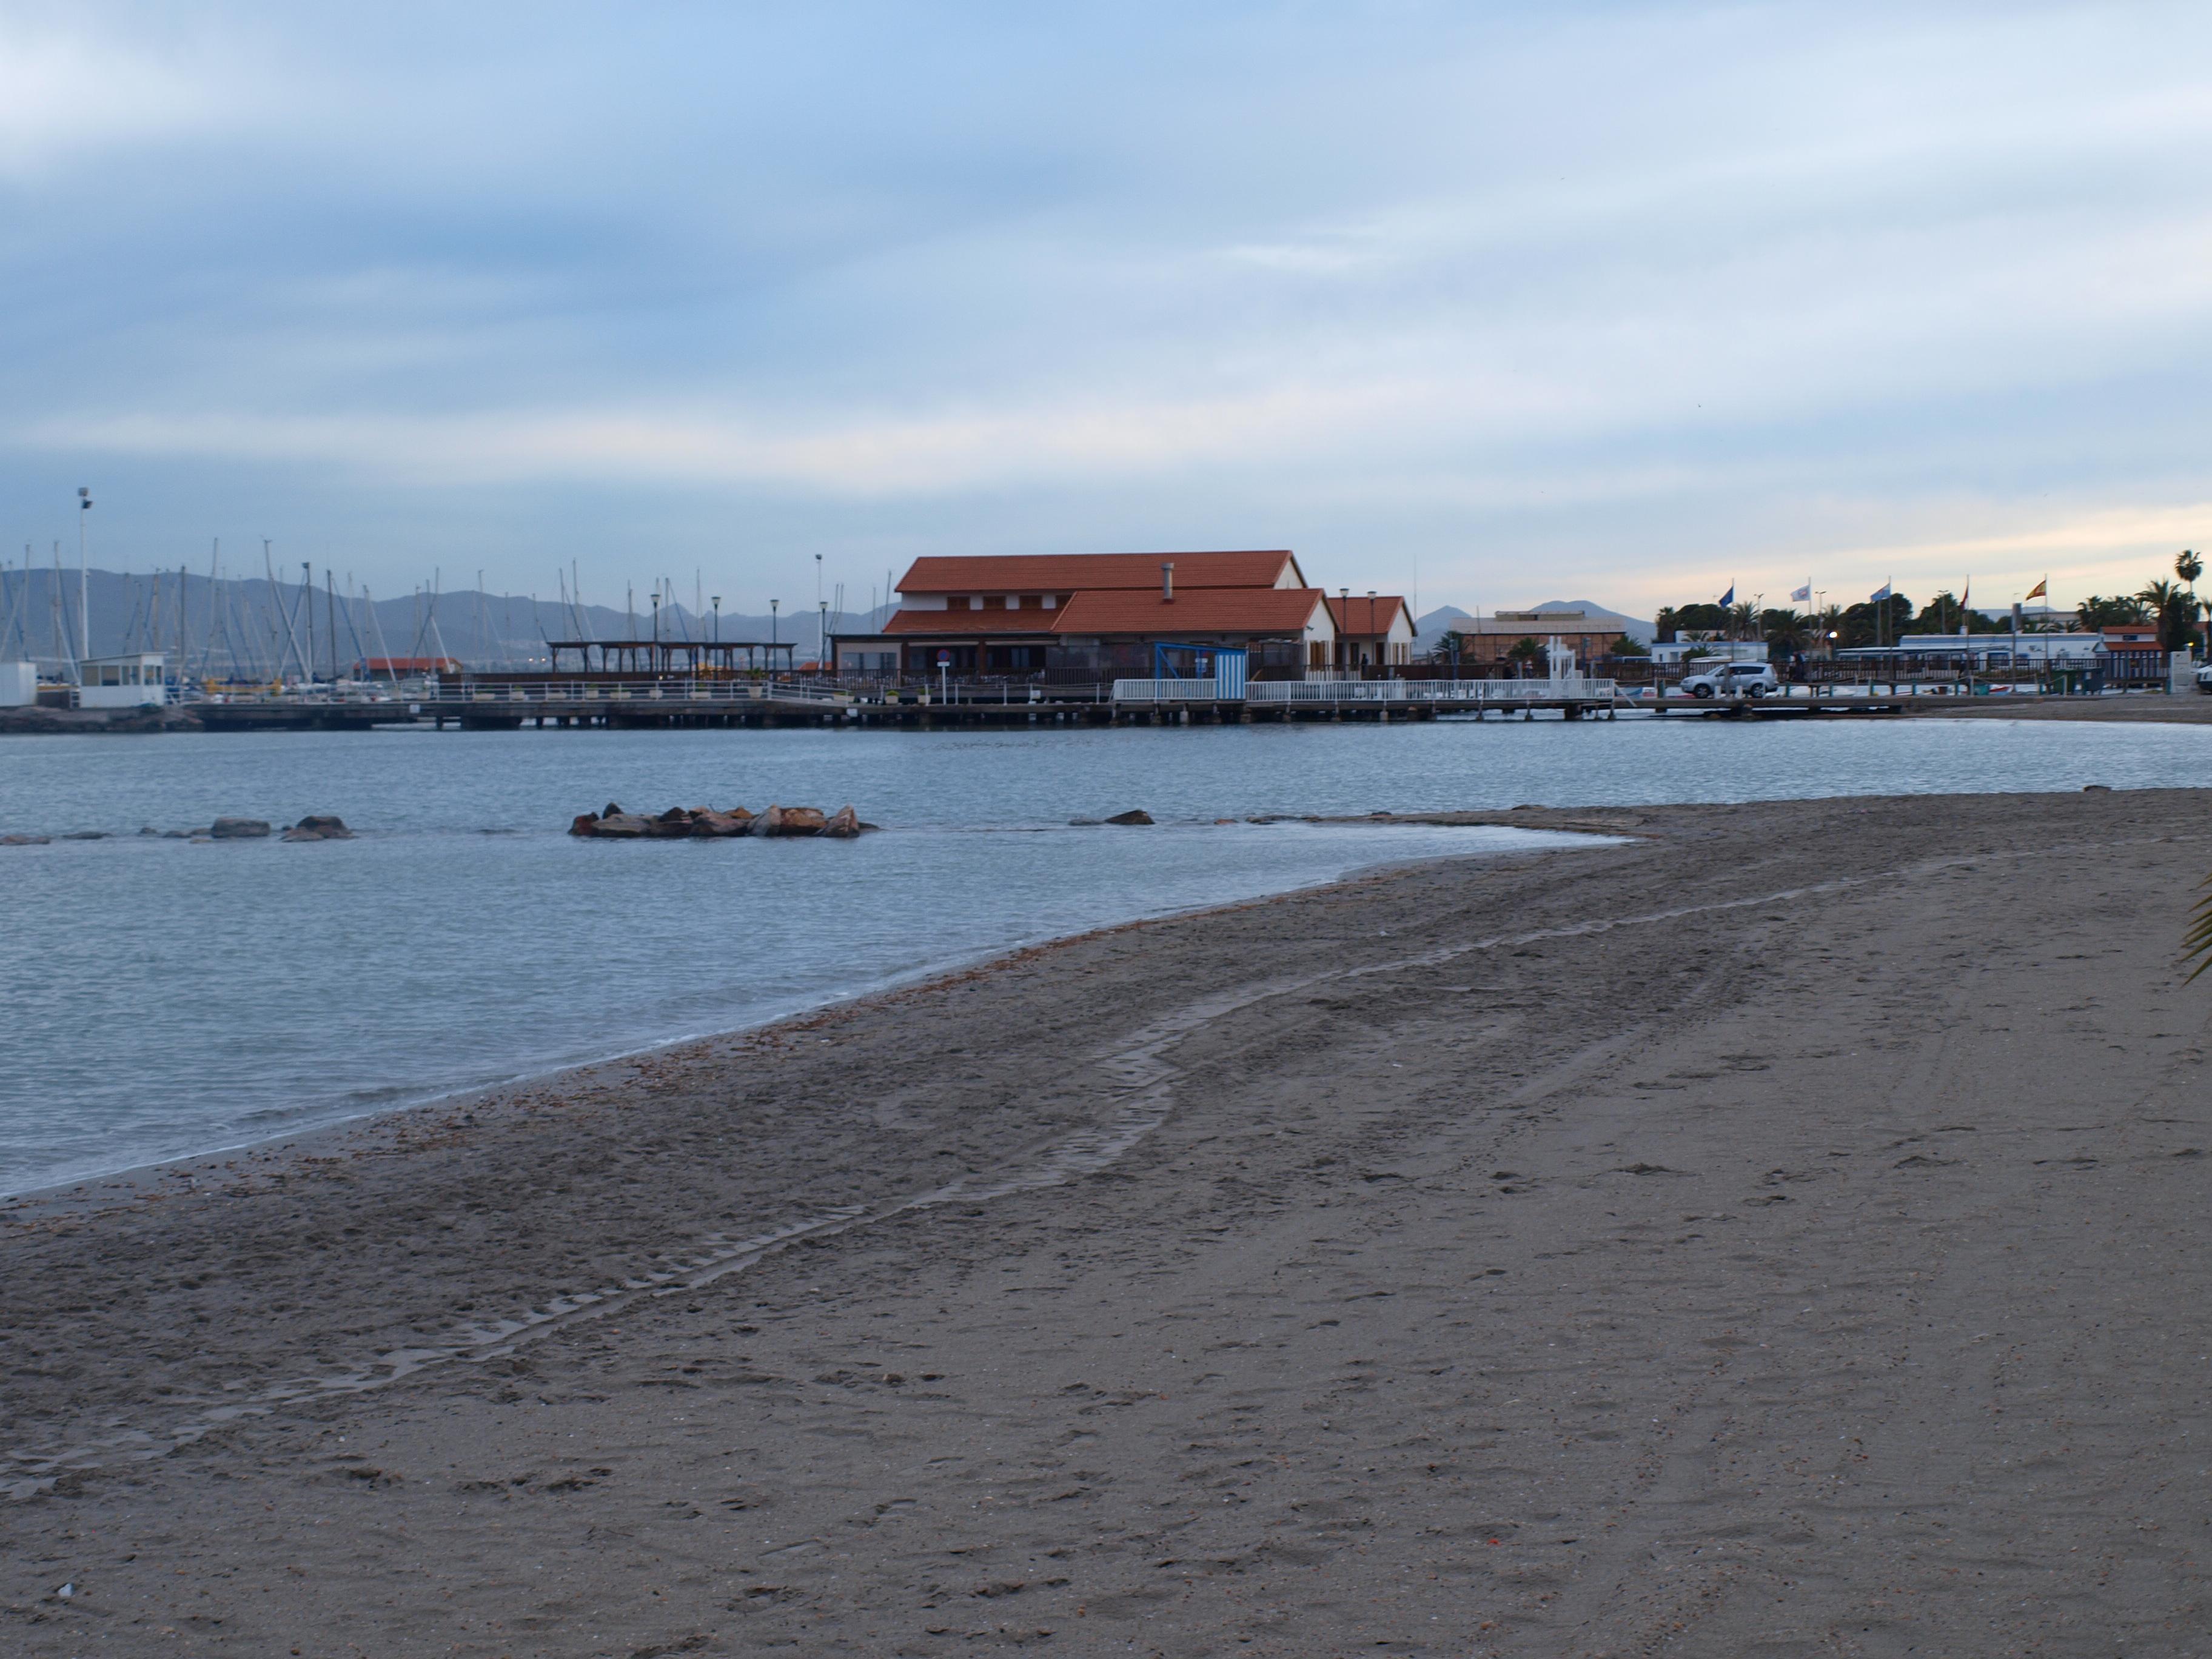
point(679, 822)
point(319, 826)
point(316, 826)
point(1134, 815)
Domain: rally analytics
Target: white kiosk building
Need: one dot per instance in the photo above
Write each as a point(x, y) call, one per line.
point(135, 681)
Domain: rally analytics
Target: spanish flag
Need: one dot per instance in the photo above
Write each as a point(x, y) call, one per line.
point(2041, 590)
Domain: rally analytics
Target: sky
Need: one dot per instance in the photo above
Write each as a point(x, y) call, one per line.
point(1484, 303)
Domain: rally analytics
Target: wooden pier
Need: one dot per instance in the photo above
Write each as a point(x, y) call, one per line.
point(494, 706)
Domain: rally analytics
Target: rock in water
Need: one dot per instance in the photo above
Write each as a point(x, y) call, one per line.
point(705, 821)
point(237, 829)
point(843, 825)
point(672, 825)
point(584, 824)
point(621, 826)
point(801, 820)
point(319, 826)
point(769, 822)
point(1135, 815)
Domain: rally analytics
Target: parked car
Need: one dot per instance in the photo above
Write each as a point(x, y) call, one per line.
point(1732, 679)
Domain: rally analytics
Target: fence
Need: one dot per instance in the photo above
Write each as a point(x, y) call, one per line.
point(1205, 691)
point(1477, 693)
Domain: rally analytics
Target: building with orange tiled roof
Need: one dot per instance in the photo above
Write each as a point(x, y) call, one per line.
point(1098, 615)
point(1373, 631)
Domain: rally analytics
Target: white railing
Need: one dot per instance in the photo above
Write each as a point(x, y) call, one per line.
point(1205, 691)
point(1470, 693)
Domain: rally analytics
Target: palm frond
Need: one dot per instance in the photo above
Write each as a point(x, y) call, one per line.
point(2196, 943)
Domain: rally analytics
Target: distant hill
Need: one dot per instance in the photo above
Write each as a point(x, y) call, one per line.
point(1443, 619)
point(247, 626)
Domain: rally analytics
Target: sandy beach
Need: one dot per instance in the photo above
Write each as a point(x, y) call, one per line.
point(1777, 1232)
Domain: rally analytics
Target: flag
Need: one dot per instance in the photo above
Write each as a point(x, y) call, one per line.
point(1802, 595)
point(1879, 594)
point(1967, 597)
point(1728, 597)
point(2041, 590)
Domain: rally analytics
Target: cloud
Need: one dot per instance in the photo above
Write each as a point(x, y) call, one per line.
point(1634, 293)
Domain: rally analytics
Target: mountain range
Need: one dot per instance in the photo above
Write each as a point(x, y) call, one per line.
point(244, 628)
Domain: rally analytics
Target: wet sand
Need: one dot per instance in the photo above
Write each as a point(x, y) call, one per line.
point(1780, 1233)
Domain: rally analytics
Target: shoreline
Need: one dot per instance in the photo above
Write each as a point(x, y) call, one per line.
point(1738, 1231)
point(315, 1138)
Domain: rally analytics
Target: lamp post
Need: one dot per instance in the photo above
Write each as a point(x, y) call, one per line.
point(821, 635)
point(83, 615)
point(717, 618)
point(771, 607)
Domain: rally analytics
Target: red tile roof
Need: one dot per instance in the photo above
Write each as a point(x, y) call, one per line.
point(1370, 618)
point(972, 625)
point(1271, 611)
point(1069, 573)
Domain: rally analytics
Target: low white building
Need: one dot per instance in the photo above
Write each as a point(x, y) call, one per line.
point(1673, 652)
point(19, 685)
point(135, 681)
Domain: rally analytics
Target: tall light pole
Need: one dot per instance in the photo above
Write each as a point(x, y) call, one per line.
point(83, 589)
point(822, 636)
point(772, 605)
point(717, 618)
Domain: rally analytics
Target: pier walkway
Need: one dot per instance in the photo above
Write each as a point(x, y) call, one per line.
point(497, 706)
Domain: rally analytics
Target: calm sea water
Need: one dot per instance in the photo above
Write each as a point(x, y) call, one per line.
point(162, 998)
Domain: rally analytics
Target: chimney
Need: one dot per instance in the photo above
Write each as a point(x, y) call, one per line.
point(1167, 581)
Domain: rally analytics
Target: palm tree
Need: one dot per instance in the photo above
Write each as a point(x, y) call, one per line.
point(2097, 612)
point(2189, 568)
point(1783, 628)
point(1743, 620)
point(1523, 652)
point(2175, 611)
point(1666, 622)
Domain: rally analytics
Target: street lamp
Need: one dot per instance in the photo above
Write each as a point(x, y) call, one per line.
point(717, 618)
point(822, 650)
point(772, 607)
point(83, 615)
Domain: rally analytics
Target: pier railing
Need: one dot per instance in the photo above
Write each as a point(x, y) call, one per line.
point(1471, 693)
point(1205, 691)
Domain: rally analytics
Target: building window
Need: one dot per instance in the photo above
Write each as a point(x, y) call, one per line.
point(958, 602)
